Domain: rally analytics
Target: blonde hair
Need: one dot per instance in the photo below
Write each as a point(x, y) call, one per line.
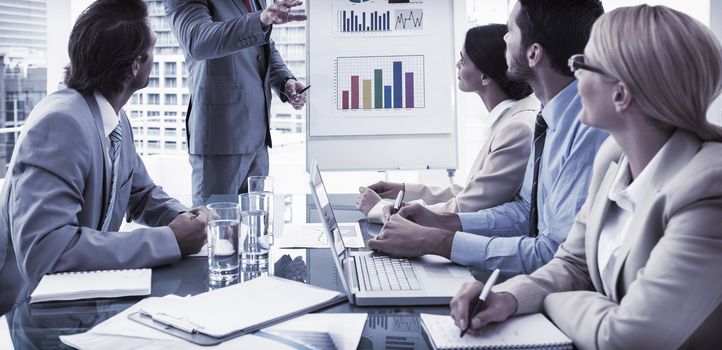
point(671, 63)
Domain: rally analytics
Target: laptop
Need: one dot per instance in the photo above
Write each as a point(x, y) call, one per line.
point(370, 278)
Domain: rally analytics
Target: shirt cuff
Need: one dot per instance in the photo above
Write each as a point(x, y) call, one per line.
point(474, 222)
point(376, 214)
point(169, 248)
point(469, 249)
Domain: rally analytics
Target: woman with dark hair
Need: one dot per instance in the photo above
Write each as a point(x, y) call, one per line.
point(498, 171)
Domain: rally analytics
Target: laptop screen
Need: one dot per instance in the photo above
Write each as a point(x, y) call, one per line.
point(330, 226)
point(326, 213)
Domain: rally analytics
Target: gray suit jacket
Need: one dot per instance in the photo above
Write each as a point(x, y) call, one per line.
point(668, 272)
point(232, 65)
point(56, 194)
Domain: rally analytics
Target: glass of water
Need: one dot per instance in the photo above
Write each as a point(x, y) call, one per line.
point(223, 232)
point(264, 185)
point(254, 232)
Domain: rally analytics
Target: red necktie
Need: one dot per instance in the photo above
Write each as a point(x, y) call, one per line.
point(247, 4)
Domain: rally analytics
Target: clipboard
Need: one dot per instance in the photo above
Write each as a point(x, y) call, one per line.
point(194, 332)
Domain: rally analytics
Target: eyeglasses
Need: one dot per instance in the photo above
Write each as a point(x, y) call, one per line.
point(577, 62)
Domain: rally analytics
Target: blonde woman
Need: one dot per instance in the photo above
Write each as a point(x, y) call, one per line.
point(498, 171)
point(642, 266)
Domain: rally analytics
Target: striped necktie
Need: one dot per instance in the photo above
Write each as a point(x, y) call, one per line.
point(116, 141)
point(540, 133)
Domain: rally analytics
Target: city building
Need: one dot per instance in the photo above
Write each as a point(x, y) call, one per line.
point(23, 73)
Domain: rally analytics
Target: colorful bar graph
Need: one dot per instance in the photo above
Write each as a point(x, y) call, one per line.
point(409, 89)
point(354, 92)
point(367, 93)
point(379, 82)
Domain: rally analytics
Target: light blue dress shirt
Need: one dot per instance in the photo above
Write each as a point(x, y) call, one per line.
point(498, 237)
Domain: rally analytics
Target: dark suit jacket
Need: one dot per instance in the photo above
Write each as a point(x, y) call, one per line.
point(56, 194)
point(232, 65)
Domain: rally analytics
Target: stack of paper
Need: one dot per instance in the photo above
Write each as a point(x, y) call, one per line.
point(92, 284)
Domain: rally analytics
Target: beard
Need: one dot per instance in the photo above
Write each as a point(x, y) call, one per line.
point(519, 69)
point(140, 81)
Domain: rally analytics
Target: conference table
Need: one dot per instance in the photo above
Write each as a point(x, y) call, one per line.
point(37, 326)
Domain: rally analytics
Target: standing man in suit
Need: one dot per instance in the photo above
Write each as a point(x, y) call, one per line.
point(74, 172)
point(520, 236)
point(232, 65)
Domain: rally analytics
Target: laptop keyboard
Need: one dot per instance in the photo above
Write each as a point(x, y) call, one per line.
point(386, 273)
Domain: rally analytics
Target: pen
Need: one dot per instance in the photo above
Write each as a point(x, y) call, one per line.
point(481, 302)
point(303, 90)
point(397, 204)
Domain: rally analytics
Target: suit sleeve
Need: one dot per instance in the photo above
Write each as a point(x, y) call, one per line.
point(47, 198)
point(277, 68)
point(498, 180)
point(203, 38)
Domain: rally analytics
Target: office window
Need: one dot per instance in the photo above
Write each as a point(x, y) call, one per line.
point(171, 99)
point(186, 99)
point(170, 82)
point(153, 99)
point(170, 69)
point(170, 145)
point(153, 131)
point(153, 113)
point(170, 113)
point(153, 82)
point(170, 131)
point(153, 144)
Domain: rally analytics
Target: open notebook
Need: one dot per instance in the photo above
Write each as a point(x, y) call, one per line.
point(92, 284)
point(522, 332)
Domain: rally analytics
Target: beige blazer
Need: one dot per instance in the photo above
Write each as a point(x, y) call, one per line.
point(668, 275)
point(497, 173)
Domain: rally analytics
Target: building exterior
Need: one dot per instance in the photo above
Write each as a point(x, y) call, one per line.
point(23, 73)
point(158, 112)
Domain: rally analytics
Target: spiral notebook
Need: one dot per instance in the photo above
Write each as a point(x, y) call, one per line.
point(521, 332)
point(92, 284)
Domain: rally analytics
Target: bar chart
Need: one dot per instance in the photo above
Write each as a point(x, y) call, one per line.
point(380, 82)
point(353, 21)
point(350, 21)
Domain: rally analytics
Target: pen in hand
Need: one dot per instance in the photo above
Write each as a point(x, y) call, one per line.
point(481, 302)
point(397, 203)
point(303, 90)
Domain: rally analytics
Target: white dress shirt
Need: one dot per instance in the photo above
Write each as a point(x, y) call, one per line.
point(109, 117)
point(625, 193)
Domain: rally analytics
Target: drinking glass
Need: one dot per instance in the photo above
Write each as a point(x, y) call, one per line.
point(264, 184)
point(223, 229)
point(254, 231)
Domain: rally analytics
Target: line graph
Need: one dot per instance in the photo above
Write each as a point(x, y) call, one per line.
point(409, 19)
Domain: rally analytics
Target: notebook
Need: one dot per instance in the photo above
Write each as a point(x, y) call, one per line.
point(376, 279)
point(92, 284)
point(520, 332)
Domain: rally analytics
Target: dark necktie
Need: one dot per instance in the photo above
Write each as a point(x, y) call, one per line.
point(540, 133)
point(247, 4)
point(116, 141)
